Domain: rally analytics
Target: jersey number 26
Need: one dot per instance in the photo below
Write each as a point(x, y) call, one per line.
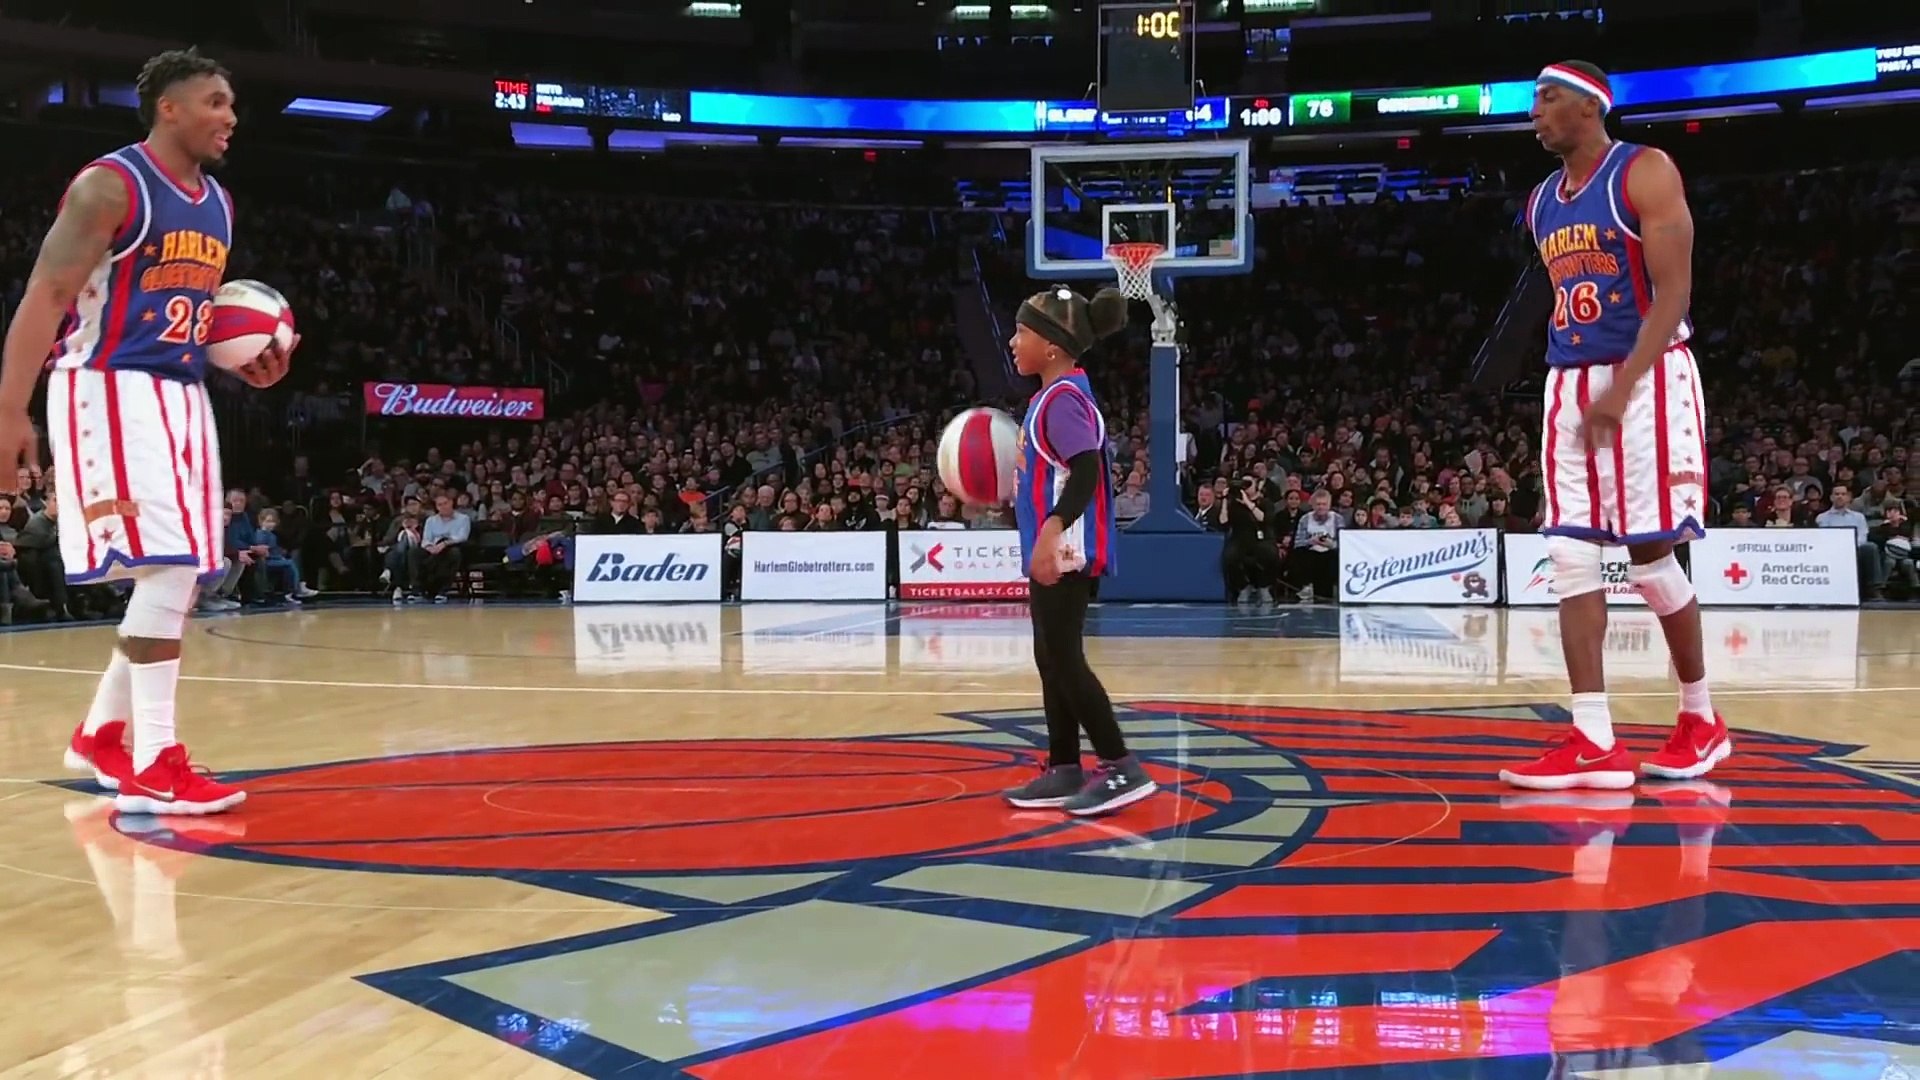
point(1581, 304)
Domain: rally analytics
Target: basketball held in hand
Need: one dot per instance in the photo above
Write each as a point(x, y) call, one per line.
point(979, 451)
point(247, 317)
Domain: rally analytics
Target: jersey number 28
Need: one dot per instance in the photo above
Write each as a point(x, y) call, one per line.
point(188, 324)
point(1581, 304)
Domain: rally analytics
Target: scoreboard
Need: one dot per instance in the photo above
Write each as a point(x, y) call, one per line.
point(1348, 106)
point(532, 98)
point(1146, 57)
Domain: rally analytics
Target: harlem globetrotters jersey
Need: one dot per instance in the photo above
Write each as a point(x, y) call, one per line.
point(1087, 544)
point(148, 305)
point(1589, 237)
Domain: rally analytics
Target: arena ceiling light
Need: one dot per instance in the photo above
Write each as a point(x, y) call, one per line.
point(1719, 112)
point(1487, 129)
point(334, 109)
point(1017, 12)
point(1863, 101)
point(713, 9)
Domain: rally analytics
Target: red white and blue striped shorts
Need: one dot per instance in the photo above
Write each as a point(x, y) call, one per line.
point(136, 473)
point(1651, 484)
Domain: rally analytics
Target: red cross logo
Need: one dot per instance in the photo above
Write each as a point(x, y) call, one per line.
point(1736, 575)
point(1736, 642)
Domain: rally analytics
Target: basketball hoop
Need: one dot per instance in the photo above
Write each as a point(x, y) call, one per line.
point(1133, 263)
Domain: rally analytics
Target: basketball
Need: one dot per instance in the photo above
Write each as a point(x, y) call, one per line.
point(978, 452)
point(247, 317)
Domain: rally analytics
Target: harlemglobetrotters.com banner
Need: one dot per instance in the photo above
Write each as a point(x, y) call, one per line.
point(456, 402)
point(961, 564)
point(1419, 566)
point(814, 566)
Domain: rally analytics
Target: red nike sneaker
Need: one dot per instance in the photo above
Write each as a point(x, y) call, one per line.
point(102, 753)
point(1696, 746)
point(1575, 763)
point(171, 785)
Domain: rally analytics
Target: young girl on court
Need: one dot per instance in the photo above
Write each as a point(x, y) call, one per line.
point(1063, 501)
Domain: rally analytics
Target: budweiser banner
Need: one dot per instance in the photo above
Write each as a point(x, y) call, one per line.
point(465, 402)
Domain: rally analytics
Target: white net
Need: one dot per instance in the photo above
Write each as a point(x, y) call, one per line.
point(1133, 264)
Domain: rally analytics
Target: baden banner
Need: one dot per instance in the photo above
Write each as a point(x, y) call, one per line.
point(627, 569)
point(1419, 566)
point(458, 402)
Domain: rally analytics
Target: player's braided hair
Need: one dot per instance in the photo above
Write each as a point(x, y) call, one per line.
point(168, 69)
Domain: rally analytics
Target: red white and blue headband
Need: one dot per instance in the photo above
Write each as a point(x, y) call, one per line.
point(1579, 81)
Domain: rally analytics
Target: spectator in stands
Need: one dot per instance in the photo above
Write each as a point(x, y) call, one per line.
point(1894, 537)
point(401, 554)
point(1315, 562)
point(619, 519)
point(42, 571)
point(1842, 515)
point(441, 538)
point(1783, 513)
point(15, 599)
point(280, 579)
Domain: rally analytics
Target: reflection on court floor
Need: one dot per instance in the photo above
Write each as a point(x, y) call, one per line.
point(766, 841)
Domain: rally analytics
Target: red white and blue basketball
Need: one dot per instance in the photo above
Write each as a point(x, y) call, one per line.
point(247, 317)
point(978, 454)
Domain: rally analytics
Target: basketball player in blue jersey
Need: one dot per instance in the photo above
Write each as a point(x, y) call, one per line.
point(1063, 501)
point(1624, 448)
point(118, 310)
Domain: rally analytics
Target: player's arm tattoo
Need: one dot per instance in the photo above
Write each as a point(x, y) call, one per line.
point(81, 236)
point(82, 232)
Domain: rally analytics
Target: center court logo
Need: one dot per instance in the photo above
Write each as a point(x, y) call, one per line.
point(1278, 862)
point(1460, 557)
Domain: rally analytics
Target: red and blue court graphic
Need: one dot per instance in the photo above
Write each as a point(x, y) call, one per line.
point(1318, 894)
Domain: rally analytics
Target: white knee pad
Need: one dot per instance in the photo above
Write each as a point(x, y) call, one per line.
point(1662, 583)
point(1576, 566)
point(162, 597)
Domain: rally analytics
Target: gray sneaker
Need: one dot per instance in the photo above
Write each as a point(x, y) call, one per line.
point(1114, 785)
point(1053, 787)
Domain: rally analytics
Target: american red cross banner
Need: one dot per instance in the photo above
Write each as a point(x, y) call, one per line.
point(1777, 567)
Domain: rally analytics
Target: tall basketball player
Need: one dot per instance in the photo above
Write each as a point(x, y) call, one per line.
point(121, 299)
point(1625, 450)
point(1063, 504)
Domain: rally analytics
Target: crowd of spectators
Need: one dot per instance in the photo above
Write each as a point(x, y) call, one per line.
point(723, 366)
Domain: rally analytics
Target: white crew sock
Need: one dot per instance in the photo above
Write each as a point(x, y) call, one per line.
point(1592, 719)
point(153, 689)
point(113, 697)
point(1694, 699)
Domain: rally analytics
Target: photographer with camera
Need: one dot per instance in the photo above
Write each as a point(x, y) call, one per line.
point(1250, 558)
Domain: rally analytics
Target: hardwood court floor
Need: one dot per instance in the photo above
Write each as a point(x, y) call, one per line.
point(764, 842)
